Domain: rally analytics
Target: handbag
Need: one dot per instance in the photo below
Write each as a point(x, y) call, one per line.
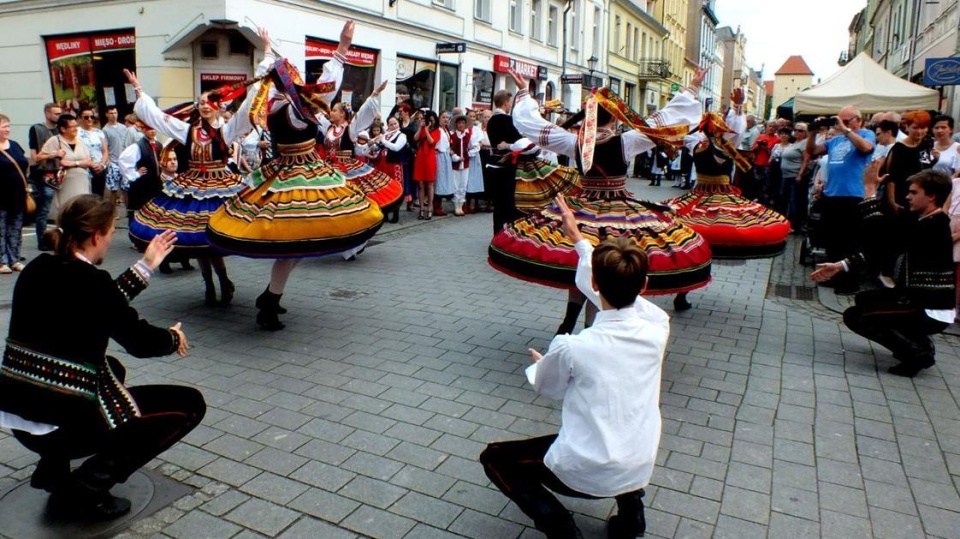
point(54, 180)
point(30, 205)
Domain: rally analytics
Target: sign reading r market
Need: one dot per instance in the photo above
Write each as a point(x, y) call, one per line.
point(941, 71)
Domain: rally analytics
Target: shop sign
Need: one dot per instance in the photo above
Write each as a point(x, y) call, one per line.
point(59, 48)
point(675, 87)
point(223, 78)
point(114, 42)
point(356, 56)
point(503, 64)
point(941, 71)
point(571, 78)
point(447, 48)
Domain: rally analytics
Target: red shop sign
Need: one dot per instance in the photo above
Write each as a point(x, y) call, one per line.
point(114, 41)
point(226, 78)
point(356, 56)
point(65, 47)
point(503, 64)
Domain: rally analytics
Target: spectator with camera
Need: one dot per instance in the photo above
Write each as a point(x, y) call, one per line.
point(849, 152)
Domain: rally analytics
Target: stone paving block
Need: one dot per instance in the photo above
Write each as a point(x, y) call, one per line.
point(413, 433)
point(233, 447)
point(842, 499)
point(796, 452)
point(751, 453)
point(687, 506)
point(749, 477)
point(794, 501)
point(479, 498)
point(310, 528)
point(467, 470)
point(474, 524)
point(422, 531)
point(325, 476)
point(378, 523)
point(372, 465)
point(423, 481)
point(937, 495)
point(839, 473)
point(369, 442)
point(189, 457)
point(841, 526)
point(276, 461)
point(782, 525)
point(456, 445)
point(286, 419)
point(328, 411)
point(229, 472)
point(697, 466)
point(199, 525)
point(694, 529)
point(426, 509)
point(372, 492)
point(326, 430)
point(225, 502)
point(707, 488)
point(417, 455)
point(734, 528)
point(327, 452)
point(889, 524)
point(274, 488)
point(325, 505)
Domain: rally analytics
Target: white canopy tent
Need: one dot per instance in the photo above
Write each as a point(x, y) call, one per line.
point(867, 85)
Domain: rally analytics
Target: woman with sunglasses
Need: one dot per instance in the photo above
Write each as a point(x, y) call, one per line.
point(96, 142)
point(74, 158)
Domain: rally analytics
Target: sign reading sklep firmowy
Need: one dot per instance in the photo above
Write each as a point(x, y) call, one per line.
point(941, 71)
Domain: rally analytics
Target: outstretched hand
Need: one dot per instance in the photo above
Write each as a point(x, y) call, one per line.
point(160, 246)
point(265, 38)
point(737, 96)
point(872, 178)
point(182, 349)
point(131, 78)
point(381, 88)
point(519, 80)
point(568, 220)
point(825, 271)
point(697, 79)
point(346, 37)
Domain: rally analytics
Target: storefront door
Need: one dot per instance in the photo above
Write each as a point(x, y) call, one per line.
point(415, 81)
point(358, 74)
point(86, 70)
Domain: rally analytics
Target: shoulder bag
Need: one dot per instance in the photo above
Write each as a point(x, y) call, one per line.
point(30, 205)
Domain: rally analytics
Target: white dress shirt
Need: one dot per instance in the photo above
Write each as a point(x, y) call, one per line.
point(608, 376)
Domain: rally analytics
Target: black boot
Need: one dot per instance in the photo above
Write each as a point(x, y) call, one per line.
point(226, 291)
point(260, 304)
point(629, 521)
point(569, 318)
point(87, 497)
point(680, 302)
point(51, 474)
point(561, 528)
point(165, 268)
point(267, 316)
point(209, 293)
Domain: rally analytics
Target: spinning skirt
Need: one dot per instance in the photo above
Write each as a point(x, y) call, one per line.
point(735, 227)
point(535, 248)
point(384, 189)
point(184, 206)
point(296, 206)
point(539, 181)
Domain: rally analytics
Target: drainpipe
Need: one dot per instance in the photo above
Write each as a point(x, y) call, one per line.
point(563, 58)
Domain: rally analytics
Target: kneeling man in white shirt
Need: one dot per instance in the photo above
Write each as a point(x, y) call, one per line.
point(608, 377)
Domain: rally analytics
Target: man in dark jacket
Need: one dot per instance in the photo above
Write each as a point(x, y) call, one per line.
point(502, 177)
point(922, 302)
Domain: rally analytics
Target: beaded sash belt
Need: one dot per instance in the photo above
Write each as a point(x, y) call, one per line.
point(55, 374)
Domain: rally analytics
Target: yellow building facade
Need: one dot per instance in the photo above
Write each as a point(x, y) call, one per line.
point(672, 15)
point(638, 70)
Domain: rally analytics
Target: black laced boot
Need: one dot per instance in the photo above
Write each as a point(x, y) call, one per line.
point(629, 521)
point(209, 291)
point(226, 291)
point(87, 497)
point(267, 317)
point(680, 302)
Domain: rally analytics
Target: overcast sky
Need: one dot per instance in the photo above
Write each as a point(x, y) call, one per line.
point(777, 29)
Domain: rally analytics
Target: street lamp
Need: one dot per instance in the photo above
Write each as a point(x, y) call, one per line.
point(592, 64)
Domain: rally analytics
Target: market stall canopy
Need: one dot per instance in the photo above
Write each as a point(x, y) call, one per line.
point(867, 85)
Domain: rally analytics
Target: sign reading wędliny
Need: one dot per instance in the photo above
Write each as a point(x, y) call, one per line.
point(941, 71)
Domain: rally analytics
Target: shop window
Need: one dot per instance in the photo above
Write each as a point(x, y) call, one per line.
point(449, 74)
point(415, 81)
point(358, 74)
point(86, 70)
point(483, 83)
point(208, 50)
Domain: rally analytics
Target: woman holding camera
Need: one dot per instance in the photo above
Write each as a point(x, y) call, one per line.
point(425, 163)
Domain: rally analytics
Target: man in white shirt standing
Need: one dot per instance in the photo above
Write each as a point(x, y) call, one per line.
point(608, 376)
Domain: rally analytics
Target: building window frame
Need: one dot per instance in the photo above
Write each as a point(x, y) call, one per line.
point(482, 11)
point(446, 4)
point(516, 16)
point(536, 32)
point(553, 27)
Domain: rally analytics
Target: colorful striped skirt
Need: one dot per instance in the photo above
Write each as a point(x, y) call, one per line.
point(734, 226)
point(296, 206)
point(384, 189)
point(539, 181)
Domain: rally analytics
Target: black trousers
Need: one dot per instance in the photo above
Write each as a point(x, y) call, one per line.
point(841, 225)
point(168, 413)
point(503, 183)
point(886, 318)
point(517, 469)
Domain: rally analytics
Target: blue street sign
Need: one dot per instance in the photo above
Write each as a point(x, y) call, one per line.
point(941, 71)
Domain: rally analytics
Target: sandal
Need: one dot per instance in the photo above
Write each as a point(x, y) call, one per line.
point(5, 269)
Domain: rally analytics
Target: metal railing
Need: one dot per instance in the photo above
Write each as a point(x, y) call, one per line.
point(653, 69)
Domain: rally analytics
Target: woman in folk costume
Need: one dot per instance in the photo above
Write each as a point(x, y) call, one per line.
point(462, 145)
point(297, 205)
point(339, 141)
point(539, 181)
point(475, 185)
point(444, 184)
point(186, 203)
point(734, 226)
point(535, 248)
point(389, 158)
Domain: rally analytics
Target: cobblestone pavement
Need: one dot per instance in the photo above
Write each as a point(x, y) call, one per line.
point(365, 417)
